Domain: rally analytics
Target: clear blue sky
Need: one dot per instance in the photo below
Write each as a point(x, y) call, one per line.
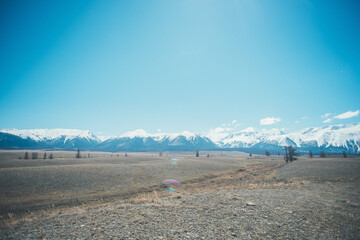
point(113, 66)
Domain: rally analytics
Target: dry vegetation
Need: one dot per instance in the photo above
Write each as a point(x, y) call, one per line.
point(310, 198)
point(38, 184)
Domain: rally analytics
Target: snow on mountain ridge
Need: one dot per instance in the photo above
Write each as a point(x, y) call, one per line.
point(51, 134)
point(335, 136)
point(141, 133)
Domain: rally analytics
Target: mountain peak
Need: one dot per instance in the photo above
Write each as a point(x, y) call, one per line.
point(335, 138)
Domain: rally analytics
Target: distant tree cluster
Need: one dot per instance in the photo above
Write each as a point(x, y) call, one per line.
point(290, 154)
point(344, 154)
point(322, 154)
point(34, 155)
point(197, 154)
point(310, 154)
point(267, 153)
point(78, 155)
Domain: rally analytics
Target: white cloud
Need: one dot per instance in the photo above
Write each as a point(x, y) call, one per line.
point(348, 114)
point(327, 120)
point(326, 115)
point(249, 129)
point(159, 130)
point(219, 130)
point(218, 133)
point(304, 117)
point(269, 120)
point(297, 122)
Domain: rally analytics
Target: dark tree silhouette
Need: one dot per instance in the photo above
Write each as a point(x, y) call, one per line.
point(45, 155)
point(208, 155)
point(51, 156)
point(310, 154)
point(344, 154)
point(125, 154)
point(250, 154)
point(322, 154)
point(78, 153)
point(197, 154)
point(26, 156)
point(267, 153)
point(290, 154)
point(34, 155)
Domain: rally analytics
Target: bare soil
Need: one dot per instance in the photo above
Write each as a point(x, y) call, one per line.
point(221, 197)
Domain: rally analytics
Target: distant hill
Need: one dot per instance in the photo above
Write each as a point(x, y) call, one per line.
point(332, 139)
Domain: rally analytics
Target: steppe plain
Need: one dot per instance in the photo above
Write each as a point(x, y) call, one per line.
point(228, 195)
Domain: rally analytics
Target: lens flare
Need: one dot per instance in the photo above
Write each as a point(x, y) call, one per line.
point(170, 189)
point(175, 159)
point(171, 183)
point(173, 163)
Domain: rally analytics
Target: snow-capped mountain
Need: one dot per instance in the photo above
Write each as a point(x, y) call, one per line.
point(139, 140)
point(51, 134)
point(248, 138)
point(58, 138)
point(335, 138)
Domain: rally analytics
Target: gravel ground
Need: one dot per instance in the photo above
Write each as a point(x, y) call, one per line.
point(327, 207)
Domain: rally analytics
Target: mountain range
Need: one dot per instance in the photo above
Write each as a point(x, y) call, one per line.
point(332, 139)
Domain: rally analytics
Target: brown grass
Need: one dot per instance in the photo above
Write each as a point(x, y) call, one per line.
point(138, 179)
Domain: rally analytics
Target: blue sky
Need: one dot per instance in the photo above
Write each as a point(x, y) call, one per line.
point(115, 66)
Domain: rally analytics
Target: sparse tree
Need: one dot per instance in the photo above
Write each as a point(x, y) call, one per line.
point(45, 155)
point(278, 153)
point(89, 155)
point(322, 154)
point(267, 153)
point(34, 155)
point(26, 156)
point(78, 153)
point(208, 155)
point(344, 154)
point(160, 154)
point(250, 154)
point(197, 154)
point(51, 156)
point(310, 154)
point(125, 154)
point(290, 154)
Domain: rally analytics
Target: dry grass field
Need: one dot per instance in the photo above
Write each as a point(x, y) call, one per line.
point(37, 184)
point(224, 196)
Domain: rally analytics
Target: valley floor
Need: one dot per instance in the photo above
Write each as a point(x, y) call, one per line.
point(257, 199)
